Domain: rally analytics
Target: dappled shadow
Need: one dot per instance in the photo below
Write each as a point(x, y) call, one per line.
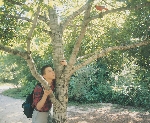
point(108, 114)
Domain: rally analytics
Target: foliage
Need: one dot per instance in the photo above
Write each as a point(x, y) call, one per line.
point(15, 70)
point(124, 89)
point(8, 25)
point(28, 88)
point(87, 84)
point(11, 69)
point(13, 92)
point(132, 95)
point(142, 57)
point(81, 83)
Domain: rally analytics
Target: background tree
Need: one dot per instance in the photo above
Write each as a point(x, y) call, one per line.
point(29, 28)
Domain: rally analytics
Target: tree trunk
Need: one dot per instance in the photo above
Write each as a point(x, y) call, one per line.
point(60, 115)
point(61, 94)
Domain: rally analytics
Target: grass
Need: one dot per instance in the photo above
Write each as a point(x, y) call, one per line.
point(14, 92)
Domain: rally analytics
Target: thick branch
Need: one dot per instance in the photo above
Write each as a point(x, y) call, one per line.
point(32, 28)
point(53, 23)
point(44, 83)
point(76, 13)
point(104, 52)
point(81, 36)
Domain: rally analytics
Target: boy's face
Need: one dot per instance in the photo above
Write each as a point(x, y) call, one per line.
point(49, 74)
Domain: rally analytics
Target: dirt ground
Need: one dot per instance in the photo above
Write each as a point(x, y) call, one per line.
point(11, 112)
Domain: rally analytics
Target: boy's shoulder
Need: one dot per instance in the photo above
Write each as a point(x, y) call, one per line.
point(38, 87)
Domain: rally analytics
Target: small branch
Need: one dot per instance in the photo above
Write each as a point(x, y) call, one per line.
point(13, 51)
point(136, 7)
point(18, 17)
point(104, 52)
point(32, 29)
point(40, 17)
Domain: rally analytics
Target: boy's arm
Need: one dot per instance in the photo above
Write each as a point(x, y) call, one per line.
point(41, 103)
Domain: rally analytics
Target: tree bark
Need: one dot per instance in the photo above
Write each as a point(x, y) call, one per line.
point(61, 94)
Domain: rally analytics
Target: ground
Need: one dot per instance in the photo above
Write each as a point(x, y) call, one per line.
point(11, 112)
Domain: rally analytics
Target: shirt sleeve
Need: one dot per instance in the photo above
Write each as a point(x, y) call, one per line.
point(37, 95)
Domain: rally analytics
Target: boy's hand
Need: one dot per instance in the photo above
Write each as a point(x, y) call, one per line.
point(63, 62)
point(47, 92)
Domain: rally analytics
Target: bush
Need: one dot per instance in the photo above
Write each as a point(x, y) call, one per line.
point(86, 87)
point(81, 84)
point(28, 88)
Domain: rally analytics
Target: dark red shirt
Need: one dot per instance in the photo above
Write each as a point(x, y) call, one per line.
point(37, 96)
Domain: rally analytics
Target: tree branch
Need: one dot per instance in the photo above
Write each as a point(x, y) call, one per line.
point(104, 52)
point(22, 54)
point(32, 28)
point(40, 17)
point(74, 14)
point(18, 17)
point(84, 57)
point(136, 7)
point(29, 20)
point(81, 36)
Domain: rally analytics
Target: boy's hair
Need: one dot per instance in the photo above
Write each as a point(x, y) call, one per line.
point(43, 69)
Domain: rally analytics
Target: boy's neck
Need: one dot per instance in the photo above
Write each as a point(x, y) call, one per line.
point(49, 82)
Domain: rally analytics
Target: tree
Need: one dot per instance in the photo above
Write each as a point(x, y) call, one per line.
point(26, 23)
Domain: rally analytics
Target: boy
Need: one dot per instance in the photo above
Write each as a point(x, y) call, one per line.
point(41, 100)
